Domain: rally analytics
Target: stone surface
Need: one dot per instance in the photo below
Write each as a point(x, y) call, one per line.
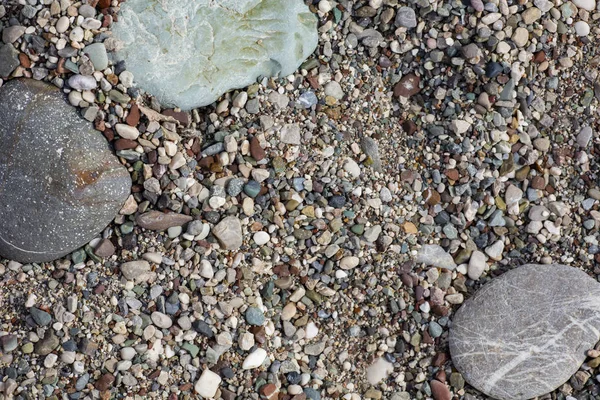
point(433, 254)
point(379, 370)
point(188, 53)
point(255, 359)
point(158, 221)
point(208, 384)
point(526, 332)
point(229, 233)
point(138, 271)
point(8, 59)
point(61, 185)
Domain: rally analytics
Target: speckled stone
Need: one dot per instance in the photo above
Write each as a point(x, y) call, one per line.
point(526, 333)
point(60, 183)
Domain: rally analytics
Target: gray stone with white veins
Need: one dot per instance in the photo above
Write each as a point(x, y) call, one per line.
point(189, 52)
point(526, 332)
point(60, 184)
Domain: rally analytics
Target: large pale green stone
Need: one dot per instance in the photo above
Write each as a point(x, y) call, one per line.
point(187, 53)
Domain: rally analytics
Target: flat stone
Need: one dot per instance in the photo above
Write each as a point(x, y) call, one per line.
point(127, 131)
point(255, 359)
point(208, 384)
point(435, 255)
point(8, 343)
point(589, 5)
point(379, 370)
point(495, 250)
point(161, 320)
point(180, 52)
point(477, 265)
point(229, 233)
point(439, 390)
point(61, 183)
point(137, 271)
point(9, 60)
point(583, 137)
point(82, 82)
point(159, 221)
point(290, 134)
point(97, 54)
point(11, 34)
point(408, 86)
point(520, 37)
point(526, 332)
point(42, 318)
point(531, 15)
point(47, 344)
point(406, 17)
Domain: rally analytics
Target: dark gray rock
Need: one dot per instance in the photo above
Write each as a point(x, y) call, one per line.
point(60, 185)
point(526, 333)
point(9, 59)
point(41, 317)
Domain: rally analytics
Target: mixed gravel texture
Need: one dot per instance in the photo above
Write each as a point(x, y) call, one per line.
point(282, 242)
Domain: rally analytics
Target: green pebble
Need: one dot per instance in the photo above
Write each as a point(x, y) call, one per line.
point(27, 348)
point(358, 229)
point(191, 348)
point(126, 228)
point(78, 256)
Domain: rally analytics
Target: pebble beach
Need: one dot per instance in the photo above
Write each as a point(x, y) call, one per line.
point(310, 236)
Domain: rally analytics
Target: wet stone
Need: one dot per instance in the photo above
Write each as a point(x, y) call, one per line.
point(64, 183)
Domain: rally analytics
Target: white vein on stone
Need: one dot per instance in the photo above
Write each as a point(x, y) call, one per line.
point(526, 332)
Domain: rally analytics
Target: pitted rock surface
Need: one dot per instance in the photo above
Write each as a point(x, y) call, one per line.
point(187, 53)
point(60, 184)
point(526, 332)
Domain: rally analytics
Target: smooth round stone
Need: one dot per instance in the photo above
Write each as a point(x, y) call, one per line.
point(582, 28)
point(62, 24)
point(252, 188)
point(261, 238)
point(526, 332)
point(61, 184)
point(97, 54)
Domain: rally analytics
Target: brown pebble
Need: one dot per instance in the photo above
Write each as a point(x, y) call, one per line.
point(538, 182)
point(257, 152)
point(259, 333)
point(439, 390)
point(539, 57)
point(452, 174)
point(439, 359)
point(102, 4)
point(227, 395)
point(182, 117)
point(158, 221)
point(269, 391)
point(24, 60)
point(105, 249)
point(409, 127)
point(105, 382)
point(431, 197)
point(134, 115)
point(408, 86)
point(109, 134)
point(125, 144)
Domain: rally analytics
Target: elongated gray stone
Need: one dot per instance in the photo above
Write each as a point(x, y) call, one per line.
point(60, 185)
point(526, 332)
point(187, 53)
